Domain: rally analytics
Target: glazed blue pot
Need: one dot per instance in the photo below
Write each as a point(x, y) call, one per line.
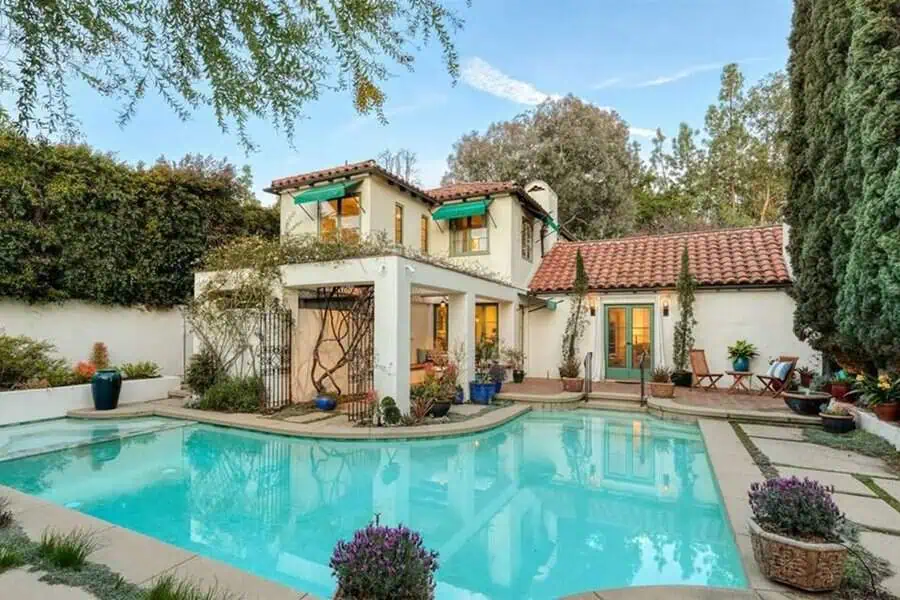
point(325, 403)
point(481, 393)
point(497, 386)
point(106, 384)
point(741, 364)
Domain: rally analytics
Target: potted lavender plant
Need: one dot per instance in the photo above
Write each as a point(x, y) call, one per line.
point(384, 563)
point(794, 533)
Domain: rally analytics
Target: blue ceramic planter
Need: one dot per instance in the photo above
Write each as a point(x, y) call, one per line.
point(460, 396)
point(325, 403)
point(498, 385)
point(741, 364)
point(481, 393)
point(105, 387)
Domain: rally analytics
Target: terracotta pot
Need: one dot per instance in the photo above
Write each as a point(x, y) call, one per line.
point(804, 565)
point(573, 384)
point(806, 379)
point(839, 389)
point(886, 412)
point(662, 390)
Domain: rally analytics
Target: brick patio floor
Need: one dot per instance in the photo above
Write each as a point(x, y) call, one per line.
point(687, 396)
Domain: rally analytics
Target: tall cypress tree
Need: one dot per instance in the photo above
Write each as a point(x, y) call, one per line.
point(869, 297)
point(817, 199)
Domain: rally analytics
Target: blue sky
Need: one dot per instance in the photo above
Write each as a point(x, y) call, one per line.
point(657, 62)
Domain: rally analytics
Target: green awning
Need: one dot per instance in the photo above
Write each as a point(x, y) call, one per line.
point(323, 193)
point(460, 210)
point(551, 224)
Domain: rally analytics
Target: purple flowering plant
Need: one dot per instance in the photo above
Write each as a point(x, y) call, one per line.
point(799, 509)
point(384, 563)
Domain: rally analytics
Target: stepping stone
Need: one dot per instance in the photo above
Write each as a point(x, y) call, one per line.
point(842, 482)
point(21, 583)
point(892, 487)
point(871, 512)
point(771, 431)
point(814, 456)
point(886, 547)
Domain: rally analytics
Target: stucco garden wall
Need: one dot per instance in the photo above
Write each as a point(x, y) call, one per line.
point(132, 334)
point(32, 405)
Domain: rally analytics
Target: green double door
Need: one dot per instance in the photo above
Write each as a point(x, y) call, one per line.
point(629, 334)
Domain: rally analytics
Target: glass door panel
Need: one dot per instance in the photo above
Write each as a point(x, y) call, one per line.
point(640, 334)
point(616, 355)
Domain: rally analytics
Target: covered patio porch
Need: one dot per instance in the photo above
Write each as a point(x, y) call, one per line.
point(408, 296)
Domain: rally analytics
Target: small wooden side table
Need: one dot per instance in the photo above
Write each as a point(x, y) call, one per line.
point(743, 381)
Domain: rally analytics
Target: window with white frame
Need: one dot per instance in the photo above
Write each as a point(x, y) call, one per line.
point(527, 238)
point(469, 235)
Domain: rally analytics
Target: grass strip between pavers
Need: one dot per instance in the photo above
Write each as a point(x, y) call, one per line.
point(762, 461)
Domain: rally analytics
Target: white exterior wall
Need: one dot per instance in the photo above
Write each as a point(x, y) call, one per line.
point(763, 317)
point(131, 334)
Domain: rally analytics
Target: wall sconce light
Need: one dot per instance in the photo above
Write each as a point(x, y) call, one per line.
point(665, 306)
point(592, 301)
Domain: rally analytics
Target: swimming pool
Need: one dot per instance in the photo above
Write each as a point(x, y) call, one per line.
point(547, 505)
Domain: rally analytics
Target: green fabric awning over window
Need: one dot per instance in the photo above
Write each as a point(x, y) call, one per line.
point(551, 224)
point(324, 193)
point(460, 210)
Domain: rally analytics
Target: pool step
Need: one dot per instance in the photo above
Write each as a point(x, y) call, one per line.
point(179, 393)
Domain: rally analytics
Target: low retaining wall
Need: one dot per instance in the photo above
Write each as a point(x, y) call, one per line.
point(50, 403)
point(872, 424)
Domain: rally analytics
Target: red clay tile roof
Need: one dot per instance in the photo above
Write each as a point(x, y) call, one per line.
point(727, 257)
point(454, 191)
point(343, 171)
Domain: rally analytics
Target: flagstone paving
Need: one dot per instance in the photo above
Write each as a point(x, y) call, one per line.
point(891, 486)
point(870, 512)
point(814, 456)
point(23, 584)
point(772, 431)
point(885, 547)
point(842, 482)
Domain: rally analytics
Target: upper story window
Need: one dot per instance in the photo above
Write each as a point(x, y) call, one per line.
point(398, 224)
point(527, 238)
point(423, 233)
point(469, 235)
point(340, 219)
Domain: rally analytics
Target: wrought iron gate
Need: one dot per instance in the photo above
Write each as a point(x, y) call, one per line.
point(361, 373)
point(275, 329)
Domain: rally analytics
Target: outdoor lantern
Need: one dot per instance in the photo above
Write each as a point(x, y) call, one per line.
point(665, 307)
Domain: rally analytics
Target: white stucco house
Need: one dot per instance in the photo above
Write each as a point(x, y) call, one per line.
point(516, 268)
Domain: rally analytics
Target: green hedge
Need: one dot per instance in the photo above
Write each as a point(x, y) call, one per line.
point(75, 223)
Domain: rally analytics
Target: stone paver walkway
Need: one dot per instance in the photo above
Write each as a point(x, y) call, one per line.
point(838, 468)
point(24, 584)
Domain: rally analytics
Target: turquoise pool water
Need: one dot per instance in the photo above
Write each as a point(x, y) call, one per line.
point(547, 505)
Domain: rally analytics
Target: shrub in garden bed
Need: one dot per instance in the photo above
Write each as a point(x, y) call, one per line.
point(233, 394)
point(140, 370)
point(24, 360)
point(384, 563)
point(204, 370)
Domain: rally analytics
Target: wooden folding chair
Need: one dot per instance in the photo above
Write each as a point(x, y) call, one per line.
point(775, 385)
point(701, 371)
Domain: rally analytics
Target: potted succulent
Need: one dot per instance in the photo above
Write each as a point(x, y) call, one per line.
point(569, 370)
point(384, 563)
point(661, 385)
point(482, 388)
point(880, 394)
point(806, 376)
point(794, 533)
point(516, 359)
point(841, 384)
point(836, 418)
point(740, 354)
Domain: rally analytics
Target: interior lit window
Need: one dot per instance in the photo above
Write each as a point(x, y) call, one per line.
point(469, 235)
point(398, 224)
point(441, 326)
point(341, 217)
point(487, 320)
point(423, 233)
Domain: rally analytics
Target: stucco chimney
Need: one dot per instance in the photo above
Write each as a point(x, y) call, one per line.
point(785, 238)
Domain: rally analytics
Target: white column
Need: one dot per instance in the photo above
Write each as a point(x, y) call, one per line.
point(461, 314)
point(509, 332)
point(392, 330)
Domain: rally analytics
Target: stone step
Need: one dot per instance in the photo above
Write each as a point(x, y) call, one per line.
point(179, 393)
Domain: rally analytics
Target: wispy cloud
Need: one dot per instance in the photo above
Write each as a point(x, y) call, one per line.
point(607, 83)
point(682, 74)
point(477, 73)
point(642, 132)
